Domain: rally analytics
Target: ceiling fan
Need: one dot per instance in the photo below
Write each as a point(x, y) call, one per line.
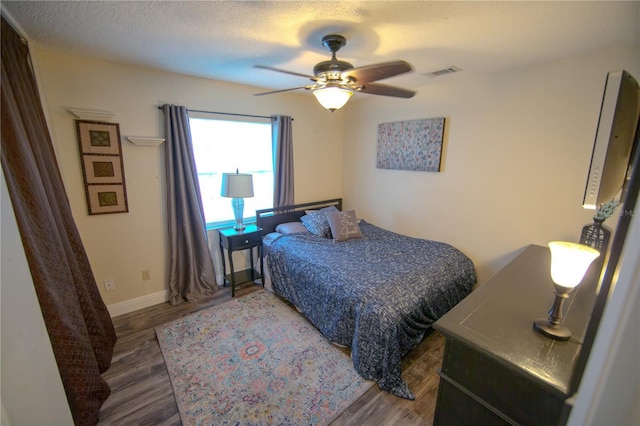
point(335, 81)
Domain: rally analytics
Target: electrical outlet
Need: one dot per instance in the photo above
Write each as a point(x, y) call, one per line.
point(146, 274)
point(109, 284)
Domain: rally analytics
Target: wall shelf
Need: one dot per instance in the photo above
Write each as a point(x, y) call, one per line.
point(92, 114)
point(145, 141)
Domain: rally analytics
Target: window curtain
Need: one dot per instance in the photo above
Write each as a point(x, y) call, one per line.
point(282, 140)
point(77, 320)
point(191, 273)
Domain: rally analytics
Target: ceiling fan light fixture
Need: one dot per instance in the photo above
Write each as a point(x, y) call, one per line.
point(332, 98)
point(335, 80)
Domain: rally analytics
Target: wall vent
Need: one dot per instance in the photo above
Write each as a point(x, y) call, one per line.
point(448, 70)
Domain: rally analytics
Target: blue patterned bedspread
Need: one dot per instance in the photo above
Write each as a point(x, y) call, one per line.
point(377, 294)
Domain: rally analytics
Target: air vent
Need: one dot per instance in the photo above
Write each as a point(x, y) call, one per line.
point(448, 70)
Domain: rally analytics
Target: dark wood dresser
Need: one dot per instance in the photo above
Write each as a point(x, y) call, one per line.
point(496, 369)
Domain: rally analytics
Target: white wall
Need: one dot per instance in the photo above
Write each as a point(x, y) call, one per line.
point(517, 147)
point(32, 391)
point(609, 393)
point(120, 246)
point(516, 153)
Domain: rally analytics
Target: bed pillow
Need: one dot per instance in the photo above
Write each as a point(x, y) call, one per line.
point(317, 223)
point(291, 228)
point(270, 237)
point(344, 225)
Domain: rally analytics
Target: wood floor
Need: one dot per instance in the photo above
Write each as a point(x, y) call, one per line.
point(141, 392)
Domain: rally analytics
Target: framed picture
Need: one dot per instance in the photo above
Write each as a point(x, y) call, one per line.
point(107, 199)
point(102, 167)
point(411, 145)
point(98, 138)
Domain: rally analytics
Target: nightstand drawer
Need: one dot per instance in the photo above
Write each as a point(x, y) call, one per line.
point(240, 242)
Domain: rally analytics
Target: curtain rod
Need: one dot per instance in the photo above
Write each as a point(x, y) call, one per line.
point(227, 113)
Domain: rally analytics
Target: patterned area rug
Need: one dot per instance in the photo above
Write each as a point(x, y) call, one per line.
point(254, 361)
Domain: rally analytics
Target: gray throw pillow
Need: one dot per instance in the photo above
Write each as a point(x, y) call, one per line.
point(344, 225)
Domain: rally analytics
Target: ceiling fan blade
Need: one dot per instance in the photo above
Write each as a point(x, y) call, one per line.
point(265, 67)
point(283, 90)
point(386, 90)
point(377, 72)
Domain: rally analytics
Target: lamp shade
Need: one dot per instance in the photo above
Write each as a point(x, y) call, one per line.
point(569, 262)
point(332, 98)
point(237, 185)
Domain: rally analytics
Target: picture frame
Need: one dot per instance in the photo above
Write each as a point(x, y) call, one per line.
point(102, 167)
point(104, 199)
point(414, 145)
point(97, 137)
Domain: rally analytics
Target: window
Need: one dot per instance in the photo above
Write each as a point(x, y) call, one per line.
point(221, 146)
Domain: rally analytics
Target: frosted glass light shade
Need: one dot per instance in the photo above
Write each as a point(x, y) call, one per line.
point(332, 98)
point(569, 262)
point(237, 185)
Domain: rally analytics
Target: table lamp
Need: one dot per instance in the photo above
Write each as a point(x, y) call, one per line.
point(569, 263)
point(237, 186)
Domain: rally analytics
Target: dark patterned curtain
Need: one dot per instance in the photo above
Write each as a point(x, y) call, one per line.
point(77, 320)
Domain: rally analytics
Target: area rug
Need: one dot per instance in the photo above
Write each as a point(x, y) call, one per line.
point(255, 361)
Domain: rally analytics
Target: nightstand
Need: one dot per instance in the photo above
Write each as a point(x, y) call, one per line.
point(233, 240)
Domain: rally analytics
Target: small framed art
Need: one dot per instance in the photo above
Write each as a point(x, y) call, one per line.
point(106, 199)
point(102, 167)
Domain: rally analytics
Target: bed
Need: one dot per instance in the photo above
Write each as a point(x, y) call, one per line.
point(377, 293)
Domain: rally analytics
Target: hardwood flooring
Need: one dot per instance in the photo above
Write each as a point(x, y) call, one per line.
point(141, 392)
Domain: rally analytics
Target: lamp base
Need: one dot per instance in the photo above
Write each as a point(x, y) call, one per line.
point(238, 207)
point(557, 332)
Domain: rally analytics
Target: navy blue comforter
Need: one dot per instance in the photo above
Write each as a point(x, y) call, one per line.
point(377, 294)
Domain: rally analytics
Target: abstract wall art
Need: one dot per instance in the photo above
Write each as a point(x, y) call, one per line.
point(411, 145)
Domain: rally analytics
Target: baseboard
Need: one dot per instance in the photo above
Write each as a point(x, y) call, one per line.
point(138, 303)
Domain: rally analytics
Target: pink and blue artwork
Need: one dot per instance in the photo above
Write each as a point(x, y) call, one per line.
point(411, 145)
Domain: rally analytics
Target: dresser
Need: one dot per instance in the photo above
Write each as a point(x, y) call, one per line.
point(497, 370)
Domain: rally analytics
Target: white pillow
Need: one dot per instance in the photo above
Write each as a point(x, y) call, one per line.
point(291, 228)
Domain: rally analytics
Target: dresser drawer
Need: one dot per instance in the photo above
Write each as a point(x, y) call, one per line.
point(503, 388)
point(456, 408)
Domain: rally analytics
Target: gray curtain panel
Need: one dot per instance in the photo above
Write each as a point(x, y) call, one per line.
point(191, 273)
point(78, 323)
point(282, 139)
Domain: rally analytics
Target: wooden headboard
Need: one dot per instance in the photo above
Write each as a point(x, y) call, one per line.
point(268, 219)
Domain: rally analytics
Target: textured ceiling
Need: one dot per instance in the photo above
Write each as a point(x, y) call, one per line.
point(223, 40)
